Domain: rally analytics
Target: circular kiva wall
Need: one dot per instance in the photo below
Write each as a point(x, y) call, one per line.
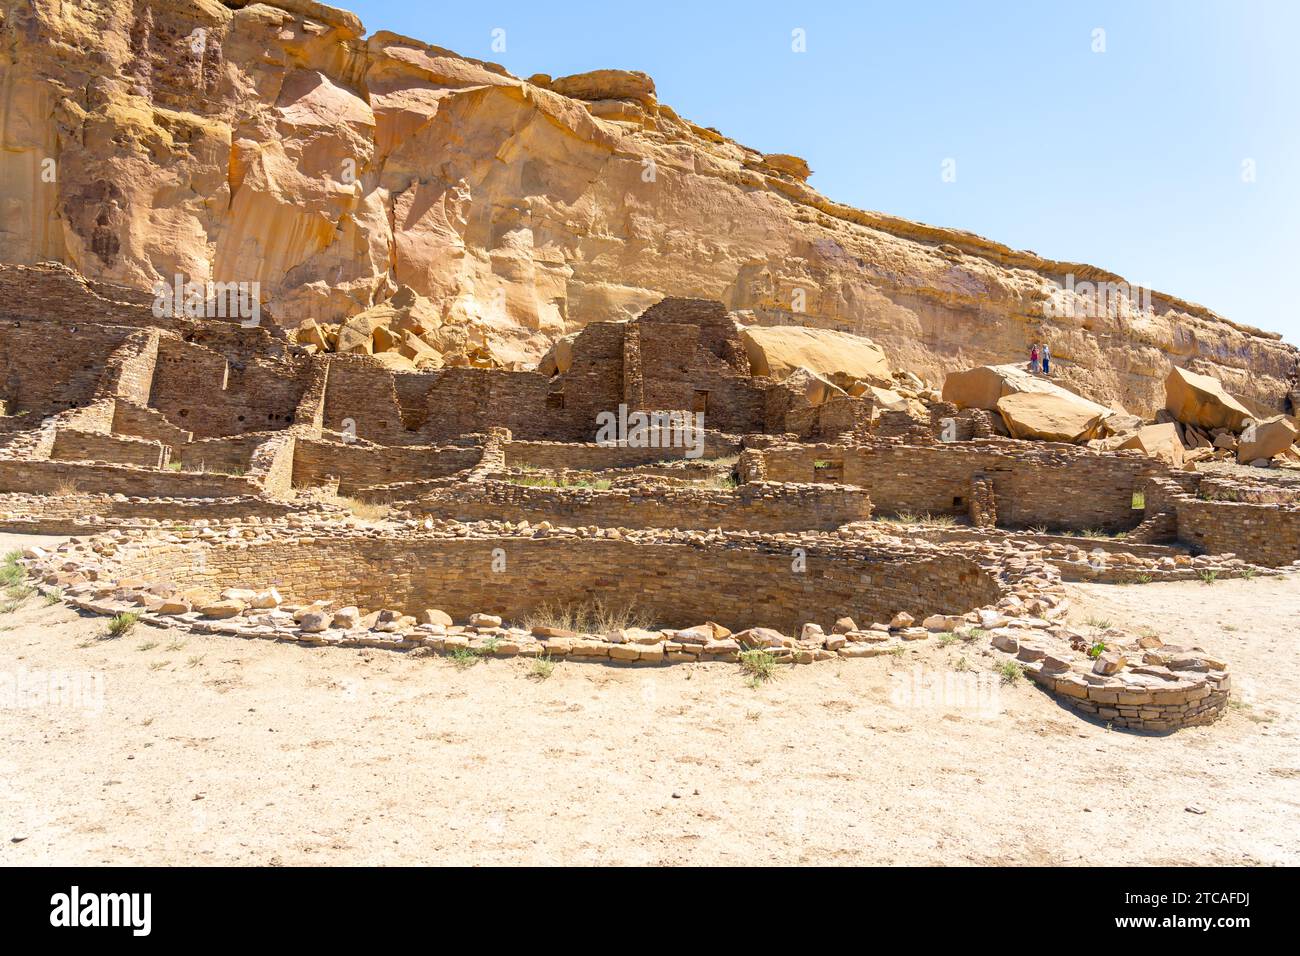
point(674, 584)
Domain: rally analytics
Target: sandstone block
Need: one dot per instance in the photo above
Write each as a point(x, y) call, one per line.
point(1196, 399)
point(434, 616)
point(760, 637)
point(313, 622)
point(222, 609)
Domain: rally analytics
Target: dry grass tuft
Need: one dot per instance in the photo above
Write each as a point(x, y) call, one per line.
point(592, 616)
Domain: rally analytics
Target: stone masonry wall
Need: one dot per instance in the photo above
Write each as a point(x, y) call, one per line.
point(73, 445)
point(675, 584)
point(752, 507)
point(1266, 534)
point(68, 514)
point(222, 455)
point(140, 421)
point(51, 476)
point(686, 354)
point(202, 390)
point(589, 456)
point(362, 465)
point(1058, 487)
point(36, 378)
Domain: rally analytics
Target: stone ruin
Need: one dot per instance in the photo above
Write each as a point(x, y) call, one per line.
point(226, 479)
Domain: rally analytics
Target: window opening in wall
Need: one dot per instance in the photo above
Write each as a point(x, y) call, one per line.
point(958, 501)
point(828, 469)
point(1139, 501)
point(701, 401)
point(554, 399)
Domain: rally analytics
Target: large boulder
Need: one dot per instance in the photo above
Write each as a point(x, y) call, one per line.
point(984, 385)
point(1266, 439)
point(810, 388)
point(1123, 423)
point(1044, 416)
point(885, 398)
point(356, 335)
point(1195, 399)
point(559, 358)
point(777, 350)
point(1157, 441)
point(890, 400)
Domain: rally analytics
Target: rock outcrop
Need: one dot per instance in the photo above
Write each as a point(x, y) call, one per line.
point(276, 143)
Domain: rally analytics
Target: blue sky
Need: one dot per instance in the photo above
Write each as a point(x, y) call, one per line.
point(1137, 159)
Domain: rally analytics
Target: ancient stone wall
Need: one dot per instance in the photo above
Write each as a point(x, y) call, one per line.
point(1182, 704)
point(1267, 534)
point(57, 294)
point(202, 390)
point(129, 371)
point(686, 354)
point(595, 382)
point(43, 380)
point(589, 456)
point(463, 400)
point(840, 419)
point(271, 464)
point(73, 445)
point(1060, 488)
point(228, 456)
point(752, 507)
point(361, 465)
point(675, 584)
point(85, 513)
point(52, 476)
point(141, 421)
point(361, 400)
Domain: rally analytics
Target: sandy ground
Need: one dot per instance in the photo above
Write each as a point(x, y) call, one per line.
point(215, 750)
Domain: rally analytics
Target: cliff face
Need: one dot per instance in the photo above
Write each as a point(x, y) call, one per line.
point(275, 143)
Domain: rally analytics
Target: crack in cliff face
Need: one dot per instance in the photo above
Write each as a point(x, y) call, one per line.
point(520, 209)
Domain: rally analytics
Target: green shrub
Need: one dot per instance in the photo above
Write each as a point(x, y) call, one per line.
point(122, 623)
point(759, 665)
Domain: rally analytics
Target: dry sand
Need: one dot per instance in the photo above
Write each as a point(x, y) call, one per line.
point(216, 750)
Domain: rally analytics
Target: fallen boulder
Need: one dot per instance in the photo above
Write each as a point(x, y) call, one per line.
point(809, 387)
point(776, 351)
point(1157, 441)
point(559, 358)
point(1266, 439)
point(1200, 400)
point(356, 335)
point(984, 385)
point(1048, 417)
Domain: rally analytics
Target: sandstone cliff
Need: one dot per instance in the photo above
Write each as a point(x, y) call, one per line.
point(277, 143)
